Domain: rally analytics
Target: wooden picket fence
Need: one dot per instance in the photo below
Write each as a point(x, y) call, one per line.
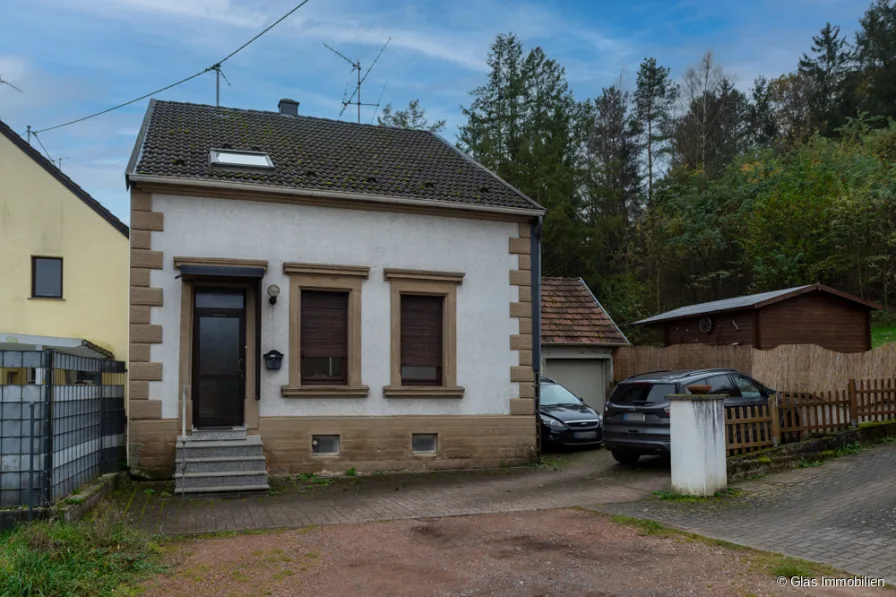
point(794, 416)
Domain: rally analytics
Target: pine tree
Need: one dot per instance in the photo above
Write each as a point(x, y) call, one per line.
point(826, 74)
point(654, 98)
point(761, 118)
point(611, 178)
point(521, 125)
point(875, 52)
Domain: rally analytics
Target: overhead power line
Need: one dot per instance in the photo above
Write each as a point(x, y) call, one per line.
point(215, 67)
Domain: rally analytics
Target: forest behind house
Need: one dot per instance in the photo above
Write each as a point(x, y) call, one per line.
point(687, 190)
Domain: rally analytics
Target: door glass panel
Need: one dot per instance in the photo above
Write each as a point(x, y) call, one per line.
point(219, 345)
point(220, 299)
point(219, 399)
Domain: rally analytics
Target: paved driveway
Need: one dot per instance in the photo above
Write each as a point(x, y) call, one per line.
point(590, 477)
point(842, 513)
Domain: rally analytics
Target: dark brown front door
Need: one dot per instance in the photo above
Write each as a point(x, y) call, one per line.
point(219, 341)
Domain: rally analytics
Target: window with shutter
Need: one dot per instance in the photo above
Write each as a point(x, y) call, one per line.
point(324, 337)
point(421, 339)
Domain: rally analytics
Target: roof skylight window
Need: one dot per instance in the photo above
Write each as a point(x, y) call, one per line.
point(229, 157)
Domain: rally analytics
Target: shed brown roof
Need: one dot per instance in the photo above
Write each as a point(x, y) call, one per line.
point(571, 314)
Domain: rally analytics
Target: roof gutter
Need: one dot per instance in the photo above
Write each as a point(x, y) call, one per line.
point(214, 184)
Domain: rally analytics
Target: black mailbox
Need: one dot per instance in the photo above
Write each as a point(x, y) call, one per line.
point(273, 359)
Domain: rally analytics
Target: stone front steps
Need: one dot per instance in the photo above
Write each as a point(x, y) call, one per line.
point(219, 461)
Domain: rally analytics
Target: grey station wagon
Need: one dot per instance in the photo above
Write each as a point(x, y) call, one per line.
point(636, 415)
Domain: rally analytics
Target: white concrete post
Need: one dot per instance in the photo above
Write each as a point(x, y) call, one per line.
point(697, 438)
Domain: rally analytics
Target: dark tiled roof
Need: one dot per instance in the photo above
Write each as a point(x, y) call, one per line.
point(63, 179)
point(570, 314)
point(752, 301)
point(316, 154)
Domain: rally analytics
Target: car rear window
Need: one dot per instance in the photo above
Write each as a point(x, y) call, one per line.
point(641, 393)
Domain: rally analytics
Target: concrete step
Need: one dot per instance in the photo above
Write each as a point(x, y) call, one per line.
point(224, 464)
point(216, 490)
point(219, 481)
point(251, 446)
point(202, 435)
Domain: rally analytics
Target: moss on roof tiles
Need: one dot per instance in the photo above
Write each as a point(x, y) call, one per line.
point(401, 163)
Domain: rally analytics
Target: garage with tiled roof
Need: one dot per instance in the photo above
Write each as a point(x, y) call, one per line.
point(578, 339)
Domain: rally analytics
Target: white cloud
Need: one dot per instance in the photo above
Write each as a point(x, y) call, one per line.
point(223, 11)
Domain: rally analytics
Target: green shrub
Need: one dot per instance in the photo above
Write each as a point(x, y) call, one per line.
point(91, 557)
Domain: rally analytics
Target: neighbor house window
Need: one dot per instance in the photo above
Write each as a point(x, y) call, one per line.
point(324, 341)
point(325, 331)
point(422, 322)
point(424, 334)
point(46, 277)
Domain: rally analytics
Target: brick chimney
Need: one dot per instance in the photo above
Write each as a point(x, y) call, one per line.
point(289, 107)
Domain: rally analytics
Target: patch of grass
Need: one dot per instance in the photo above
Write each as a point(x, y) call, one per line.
point(351, 472)
point(646, 527)
point(889, 439)
point(239, 576)
point(849, 449)
point(772, 564)
point(283, 574)
point(882, 334)
point(808, 463)
point(764, 459)
point(99, 555)
point(680, 497)
point(73, 500)
point(312, 479)
point(149, 491)
point(788, 569)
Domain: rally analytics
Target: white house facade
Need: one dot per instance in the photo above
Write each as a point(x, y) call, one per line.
point(304, 294)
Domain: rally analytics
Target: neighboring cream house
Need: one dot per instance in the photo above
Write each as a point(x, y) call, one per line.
point(63, 262)
point(391, 272)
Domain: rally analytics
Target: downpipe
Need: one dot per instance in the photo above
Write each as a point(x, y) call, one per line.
point(535, 235)
point(183, 441)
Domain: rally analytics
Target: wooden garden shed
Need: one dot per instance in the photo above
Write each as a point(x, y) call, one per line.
point(812, 314)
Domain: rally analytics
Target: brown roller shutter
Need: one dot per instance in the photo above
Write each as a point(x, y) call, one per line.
point(324, 333)
point(421, 339)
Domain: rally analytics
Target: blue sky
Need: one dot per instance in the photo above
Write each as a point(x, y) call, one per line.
point(75, 57)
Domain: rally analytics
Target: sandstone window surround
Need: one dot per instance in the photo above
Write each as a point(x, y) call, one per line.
point(326, 278)
point(424, 283)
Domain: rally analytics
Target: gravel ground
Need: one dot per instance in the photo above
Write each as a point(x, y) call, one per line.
point(547, 553)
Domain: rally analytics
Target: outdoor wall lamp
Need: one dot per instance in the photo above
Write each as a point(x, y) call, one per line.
point(273, 293)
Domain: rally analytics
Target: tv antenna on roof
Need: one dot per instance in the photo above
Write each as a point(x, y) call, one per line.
point(356, 66)
point(2, 82)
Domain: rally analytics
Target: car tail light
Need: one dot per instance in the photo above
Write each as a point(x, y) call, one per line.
point(666, 411)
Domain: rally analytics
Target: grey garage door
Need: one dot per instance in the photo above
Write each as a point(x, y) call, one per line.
point(586, 378)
